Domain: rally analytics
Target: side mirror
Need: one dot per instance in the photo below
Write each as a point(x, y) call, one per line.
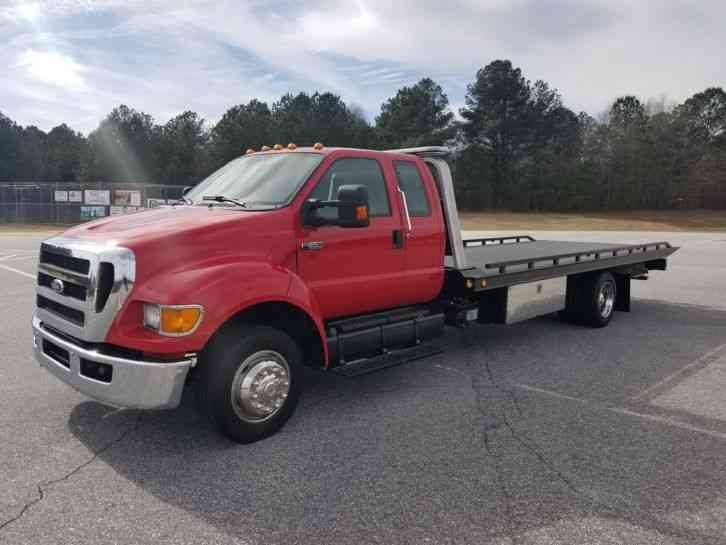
point(351, 206)
point(187, 189)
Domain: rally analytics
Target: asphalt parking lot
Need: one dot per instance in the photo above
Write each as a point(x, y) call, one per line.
point(538, 433)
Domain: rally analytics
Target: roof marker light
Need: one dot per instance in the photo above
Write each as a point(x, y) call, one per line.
point(249, 151)
point(277, 147)
point(291, 146)
point(265, 148)
point(318, 146)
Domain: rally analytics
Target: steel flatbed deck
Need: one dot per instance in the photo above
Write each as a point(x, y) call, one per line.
point(506, 261)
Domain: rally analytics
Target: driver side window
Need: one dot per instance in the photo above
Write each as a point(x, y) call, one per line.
point(354, 171)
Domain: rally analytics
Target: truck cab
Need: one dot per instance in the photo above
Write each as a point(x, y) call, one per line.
point(341, 259)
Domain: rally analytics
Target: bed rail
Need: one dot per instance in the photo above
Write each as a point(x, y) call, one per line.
point(515, 239)
point(577, 256)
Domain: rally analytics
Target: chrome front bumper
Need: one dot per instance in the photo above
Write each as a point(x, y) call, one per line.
point(133, 384)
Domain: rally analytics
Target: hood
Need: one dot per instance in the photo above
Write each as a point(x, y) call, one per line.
point(183, 236)
point(127, 230)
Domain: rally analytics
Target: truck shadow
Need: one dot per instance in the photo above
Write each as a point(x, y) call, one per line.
point(445, 448)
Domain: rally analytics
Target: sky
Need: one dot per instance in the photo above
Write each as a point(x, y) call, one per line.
point(72, 61)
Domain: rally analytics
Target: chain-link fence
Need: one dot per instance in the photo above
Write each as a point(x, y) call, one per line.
point(70, 203)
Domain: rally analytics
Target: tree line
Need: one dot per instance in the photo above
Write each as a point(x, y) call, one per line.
point(516, 145)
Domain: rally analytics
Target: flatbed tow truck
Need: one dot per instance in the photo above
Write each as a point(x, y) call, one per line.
point(340, 259)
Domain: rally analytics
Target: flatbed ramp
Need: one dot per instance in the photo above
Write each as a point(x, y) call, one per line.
point(505, 261)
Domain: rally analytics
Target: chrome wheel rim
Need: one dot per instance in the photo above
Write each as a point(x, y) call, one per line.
point(261, 386)
point(606, 299)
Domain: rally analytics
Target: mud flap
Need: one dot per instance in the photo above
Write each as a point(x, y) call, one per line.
point(622, 285)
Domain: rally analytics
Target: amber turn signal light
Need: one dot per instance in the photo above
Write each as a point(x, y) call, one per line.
point(361, 213)
point(179, 320)
point(173, 320)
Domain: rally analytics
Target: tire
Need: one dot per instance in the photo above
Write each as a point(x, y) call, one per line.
point(584, 305)
point(598, 295)
point(250, 381)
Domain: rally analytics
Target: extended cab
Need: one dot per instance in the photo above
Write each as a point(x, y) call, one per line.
point(341, 259)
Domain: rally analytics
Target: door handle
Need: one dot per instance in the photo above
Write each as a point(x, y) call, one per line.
point(312, 245)
point(397, 239)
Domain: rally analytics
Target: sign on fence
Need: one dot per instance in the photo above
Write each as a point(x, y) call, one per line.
point(61, 196)
point(75, 196)
point(98, 196)
point(91, 212)
point(126, 197)
point(121, 210)
point(155, 203)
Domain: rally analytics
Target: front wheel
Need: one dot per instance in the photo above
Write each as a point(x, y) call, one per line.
point(249, 381)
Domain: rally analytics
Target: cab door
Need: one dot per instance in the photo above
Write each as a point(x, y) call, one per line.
point(355, 270)
point(426, 239)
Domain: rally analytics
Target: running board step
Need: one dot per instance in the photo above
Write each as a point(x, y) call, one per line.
point(384, 361)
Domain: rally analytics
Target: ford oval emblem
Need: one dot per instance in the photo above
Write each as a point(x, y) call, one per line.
point(57, 285)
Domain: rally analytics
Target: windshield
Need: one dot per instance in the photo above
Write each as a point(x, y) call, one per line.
point(262, 181)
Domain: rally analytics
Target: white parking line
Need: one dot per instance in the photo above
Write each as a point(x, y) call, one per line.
point(18, 257)
point(627, 412)
point(17, 271)
point(705, 359)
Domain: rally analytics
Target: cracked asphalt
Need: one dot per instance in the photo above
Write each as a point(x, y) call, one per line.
point(538, 433)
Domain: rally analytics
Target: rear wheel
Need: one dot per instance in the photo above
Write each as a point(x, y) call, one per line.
point(591, 299)
point(249, 381)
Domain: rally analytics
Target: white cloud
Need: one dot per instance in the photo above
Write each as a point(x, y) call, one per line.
point(28, 11)
point(53, 68)
point(207, 55)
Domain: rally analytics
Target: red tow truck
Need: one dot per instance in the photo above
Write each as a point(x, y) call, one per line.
point(341, 259)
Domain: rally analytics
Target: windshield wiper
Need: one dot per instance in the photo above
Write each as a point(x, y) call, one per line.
point(222, 198)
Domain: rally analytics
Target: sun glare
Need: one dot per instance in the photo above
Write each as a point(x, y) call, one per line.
point(30, 11)
point(54, 68)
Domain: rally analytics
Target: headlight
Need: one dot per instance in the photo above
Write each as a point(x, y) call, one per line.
point(173, 320)
point(152, 316)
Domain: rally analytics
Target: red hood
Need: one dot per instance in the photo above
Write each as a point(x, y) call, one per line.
point(150, 225)
point(182, 236)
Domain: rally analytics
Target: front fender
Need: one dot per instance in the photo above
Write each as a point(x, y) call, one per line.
point(223, 288)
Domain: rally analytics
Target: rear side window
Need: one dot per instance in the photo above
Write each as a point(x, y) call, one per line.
point(410, 182)
point(355, 171)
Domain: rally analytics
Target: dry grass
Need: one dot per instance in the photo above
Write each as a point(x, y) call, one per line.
point(23, 229)
point(635, 220)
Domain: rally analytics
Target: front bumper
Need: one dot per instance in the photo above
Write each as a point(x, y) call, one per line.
point(133, 384)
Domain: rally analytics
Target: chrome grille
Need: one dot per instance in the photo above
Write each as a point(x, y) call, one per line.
point(82, 286)
point(57, 257)
point(70, 289)
point(76, 316)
